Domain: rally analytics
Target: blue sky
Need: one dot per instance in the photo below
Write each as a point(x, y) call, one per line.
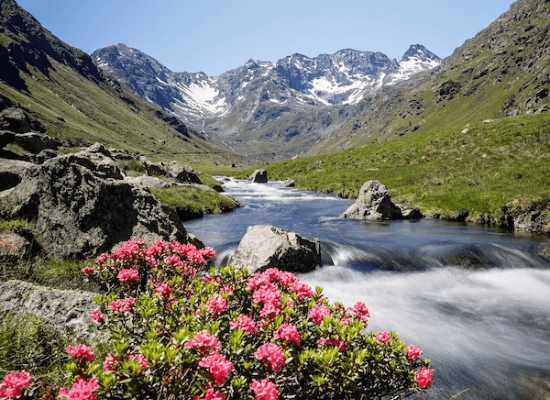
point(215, 36)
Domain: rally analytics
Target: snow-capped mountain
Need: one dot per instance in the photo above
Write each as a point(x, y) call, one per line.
point(251, 108)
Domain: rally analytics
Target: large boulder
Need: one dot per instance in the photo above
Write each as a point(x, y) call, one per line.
point(35, 142)
point(81, 206)
point(63, 309)
point(15, 119)
point(373, 203)
point(172, 169)
point(264, 247)
point(259, 176)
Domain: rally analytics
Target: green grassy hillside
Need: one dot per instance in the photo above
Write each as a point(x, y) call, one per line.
point(478, 167)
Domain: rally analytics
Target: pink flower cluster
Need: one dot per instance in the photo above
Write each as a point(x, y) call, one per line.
point(203, 341)
point(80, 354)
point(334, 341)
point(413, 353)
point(216, 306)
point(318, 312)
point(96, 316)
point(424, 378)
point(382, 338)
point(243, 323)
point(218, 367)
point(287, 332)
point(264, 390)
point(128, 276)
point(210, 394)
point(122, 305)
point(361, 311)
point(81, 390)
point(14, 383)
point(272, 354)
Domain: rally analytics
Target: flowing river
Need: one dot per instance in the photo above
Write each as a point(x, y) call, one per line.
point(476, 300)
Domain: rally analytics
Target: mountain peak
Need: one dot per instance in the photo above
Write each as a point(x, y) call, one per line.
point(419, 51)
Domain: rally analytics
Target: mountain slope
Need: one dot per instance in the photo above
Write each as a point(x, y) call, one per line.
point(261, 106)
point(60, 86)
point(503, 71)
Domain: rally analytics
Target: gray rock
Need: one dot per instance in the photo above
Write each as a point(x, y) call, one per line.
point(43, 156)
point(373, 203)
point(6, 137)
point(15, 119)
point(259, 176)
point(61, 308)
point(147, 181)
point(288, 183)
point(120, 154)
point(35, 142)
point(411, 213)
point(264, 247)
point(173, 169)
point(81, 206)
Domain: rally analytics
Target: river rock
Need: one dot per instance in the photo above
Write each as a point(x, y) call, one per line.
point(373, 203)
point(259, 176)
point(288, 183)
point(81, 206)
point(264, 247)
point(63, 309)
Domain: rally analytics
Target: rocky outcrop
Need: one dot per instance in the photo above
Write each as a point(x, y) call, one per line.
point(81, 206)
point(172, 169)
point(264, 247)
point(373, 203)
point(62, 309)
point(259, 176)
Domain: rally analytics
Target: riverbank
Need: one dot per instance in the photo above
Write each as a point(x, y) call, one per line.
point(494, 172)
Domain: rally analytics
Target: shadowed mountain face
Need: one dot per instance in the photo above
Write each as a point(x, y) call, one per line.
point(60, 86)
point(263, 109)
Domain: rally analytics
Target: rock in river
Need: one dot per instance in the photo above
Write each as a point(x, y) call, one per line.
point(264, 247)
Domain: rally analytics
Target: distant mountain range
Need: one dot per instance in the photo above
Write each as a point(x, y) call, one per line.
point(265, 109)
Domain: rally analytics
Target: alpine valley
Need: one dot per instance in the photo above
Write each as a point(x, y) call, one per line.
point(290, 105)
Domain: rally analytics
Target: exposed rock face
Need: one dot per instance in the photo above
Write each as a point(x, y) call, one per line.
point(373, 203)
point(264, 247)
point(172, 169)
point(81, 206)
point(15, 119)
point(62, 308)
point(35, 142)
point(259, 176)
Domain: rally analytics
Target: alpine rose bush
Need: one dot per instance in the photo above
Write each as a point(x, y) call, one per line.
point(228, 334)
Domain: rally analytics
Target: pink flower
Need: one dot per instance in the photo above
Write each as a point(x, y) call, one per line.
point(100, 259)
point(218, 367)
point(81, 390)
point(382, 338)
point(164, 290)
point(423, 378)
point(318, 312)
point(80, 354)
point(203, 341)
point(288, 278)
point(210, 395)
point(124, 305)
point(272, 354)
point(302, 290)
point(216, 305)
point(270, 310)
point(243, 323)
point(14, 383)
point(336, 342)
point(88, 270)
point(128, 276)
point(264, 390)
point(140, 359)
point(269, 293)
point(96, 316)
point(361, 311)
point(413, 353)
point(207, 252)
point(109, 365)
point(288, 332)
